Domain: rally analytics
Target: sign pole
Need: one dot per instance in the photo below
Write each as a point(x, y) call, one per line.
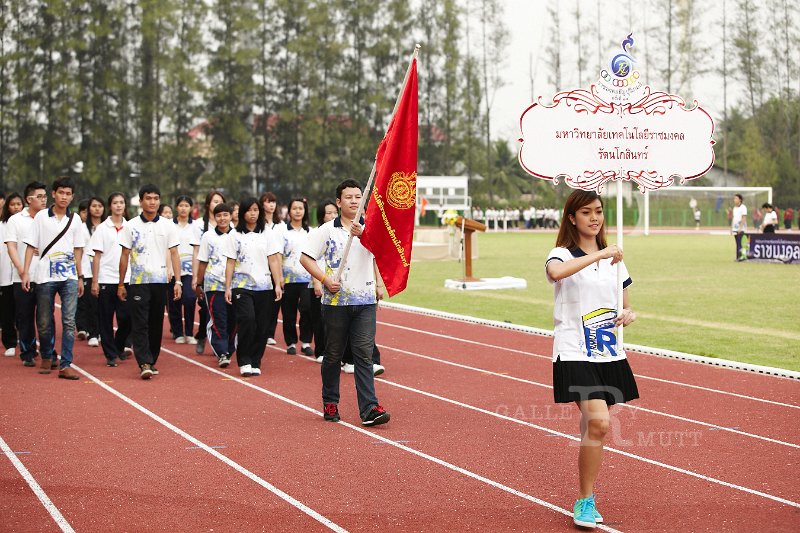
point(620, 206)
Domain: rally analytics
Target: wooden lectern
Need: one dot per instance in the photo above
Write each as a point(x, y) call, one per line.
point(469, 226)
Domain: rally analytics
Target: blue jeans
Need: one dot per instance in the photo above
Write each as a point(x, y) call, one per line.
point(356, 324)
point(45, 304)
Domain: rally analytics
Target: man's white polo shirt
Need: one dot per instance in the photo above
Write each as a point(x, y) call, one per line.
point(149, 242)
point(106, 240)
point(17, 228)
point(251, 251)
point(358, 279)
point(215, 249)
point(59, 263)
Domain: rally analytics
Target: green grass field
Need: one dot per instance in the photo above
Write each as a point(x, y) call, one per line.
point(688, 293)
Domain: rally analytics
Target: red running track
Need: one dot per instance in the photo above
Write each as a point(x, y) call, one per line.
point(475, 443)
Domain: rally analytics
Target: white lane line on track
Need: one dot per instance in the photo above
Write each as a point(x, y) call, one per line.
point(386, 441)
point(607, 448)
point(236, 466)
point(550, 358)
point(623, 405)
point(36, 488)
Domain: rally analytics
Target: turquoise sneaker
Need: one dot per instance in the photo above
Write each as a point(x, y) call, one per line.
point(584, 513)
point(597, 516)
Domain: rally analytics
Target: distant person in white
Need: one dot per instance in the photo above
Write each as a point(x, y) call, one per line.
point(739, 224)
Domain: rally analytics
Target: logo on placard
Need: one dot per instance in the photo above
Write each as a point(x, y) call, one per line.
point(401, 192)
point(620, 78)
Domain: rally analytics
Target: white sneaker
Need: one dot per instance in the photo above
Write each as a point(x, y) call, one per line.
point(191, 340)
point(377, 370)
point(180, 340)
point(94, 342)
point(319, 359)
point(271, 341)
point(255, 371)
point(11, 352)
point(246, 370)
point(347, 368)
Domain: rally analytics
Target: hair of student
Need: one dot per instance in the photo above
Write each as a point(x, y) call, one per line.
point(124, 199)
point(161, 209)
point(568, 233)
point(305, 221)
point(739, 196)
point(244, 207)
point(6, 215)
point(321, 210)
point(223, 208)
point(184, 198)
point(89, 222)
point(149, 188)
point(269, 196)
point(347, 184)
point(207, 206)
point(33, 186)
point(767, 205)
point(63, 182)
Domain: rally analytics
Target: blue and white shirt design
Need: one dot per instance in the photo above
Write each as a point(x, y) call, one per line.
point(149, 243)
point(358, 279)
point(585, 310)
point(215, 248)
point(252, 251)
point(189, 235)
point(294, 240)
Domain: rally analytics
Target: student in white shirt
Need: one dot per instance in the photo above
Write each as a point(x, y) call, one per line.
point(58, 237)
point(147, 241)
point(93, 213)
point(349, 305)
point(296, 297)
point(326, 211)
point(213, 199)
point(252, 281)
point(739, 224)
point(272, 218)
point(105, 243)
point(770, 222)
point(212, 260)
point(181, 312)
point(17, 228)
point(12, 206)
point(588, 369)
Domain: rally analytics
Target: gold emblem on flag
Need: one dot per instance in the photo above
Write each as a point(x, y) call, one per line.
point(401, 192)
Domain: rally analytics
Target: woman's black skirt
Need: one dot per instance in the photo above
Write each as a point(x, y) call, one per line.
point(581, 380)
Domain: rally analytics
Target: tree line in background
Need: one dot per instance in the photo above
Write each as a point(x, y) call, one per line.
point(244, 95)
point(294, 95)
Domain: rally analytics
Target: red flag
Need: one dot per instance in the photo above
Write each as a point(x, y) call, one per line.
point(389, 228)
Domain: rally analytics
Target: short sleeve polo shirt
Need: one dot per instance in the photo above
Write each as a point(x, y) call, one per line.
point(59, 262)
point(189, 235)
point(215, 249)
point(149, 242)
point(251, 252)
point(294, 240)
point(106, 240)
point(585, 310)
point(17, 228)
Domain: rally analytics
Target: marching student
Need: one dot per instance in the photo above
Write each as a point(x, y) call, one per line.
point(105, 243)
point(57, 236)
point(213, 199)
point(326, 211)
point(212, 260)
point(296, 279)
point(18, 227)
point(349, 305)
point(147, 241)
point(252, 282)
point(181, 312)
point(92, 213)
point(588, 369)
point(12, 206)
point(272, 220)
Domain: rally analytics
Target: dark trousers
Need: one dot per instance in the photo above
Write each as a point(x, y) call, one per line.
point(147, 302)
point(738, 235)
point(7, 316)
point(222, 324)
point(354, 324)
point(109, 306)
point(275, 308)
point(203, 318)
point(86, 319)
point(181, 312)
point(25, 303)
point(317, 324)
point(296, 298)
point(253, 316)
point(347, 356)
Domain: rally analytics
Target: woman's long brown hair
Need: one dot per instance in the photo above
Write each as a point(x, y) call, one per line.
point(568, 233)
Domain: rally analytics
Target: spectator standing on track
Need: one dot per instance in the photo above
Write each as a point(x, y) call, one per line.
point(272, 218)
point(147, 241)
point(738, 224)
point(13, 205)
point(181, 312)
point(213, 199)
point(58, 236)
point(19, 227)
point(326, 211)
point(296, 297)
point(92, 213)
point(215, 248)
point(252, 282)
point(106, 244)
point(587, 368)
point(349, 305)
point(788, 215)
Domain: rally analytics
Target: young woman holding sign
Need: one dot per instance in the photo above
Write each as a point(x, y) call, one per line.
point(588, 368)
